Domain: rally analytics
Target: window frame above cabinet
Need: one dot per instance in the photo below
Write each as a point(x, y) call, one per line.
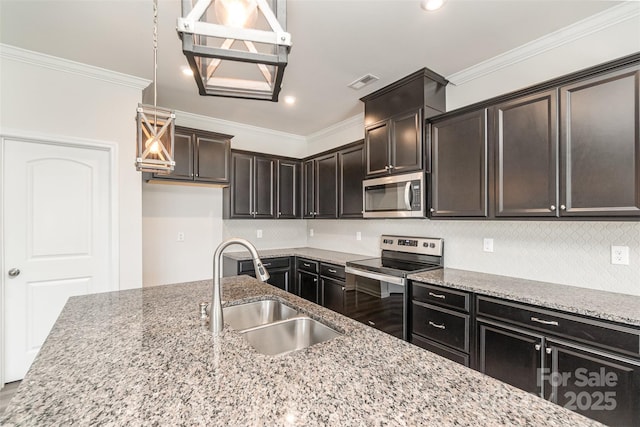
point(190, 141)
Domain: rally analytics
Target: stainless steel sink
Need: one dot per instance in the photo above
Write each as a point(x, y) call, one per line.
point(252, 314)
point(288, 335)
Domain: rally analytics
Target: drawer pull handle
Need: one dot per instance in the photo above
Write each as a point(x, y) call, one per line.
point(266, 264)
point(435, 325)
point(545, 322)
point(371, 323)
point(431, 294)
point(332, 270)
point(306, 265)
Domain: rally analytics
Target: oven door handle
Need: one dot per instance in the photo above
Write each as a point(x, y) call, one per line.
point(408, 195)
point(376, 276)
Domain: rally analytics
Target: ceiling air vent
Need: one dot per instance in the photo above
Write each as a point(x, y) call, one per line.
point(363, 81)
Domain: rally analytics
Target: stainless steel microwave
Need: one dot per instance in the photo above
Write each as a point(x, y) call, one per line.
point(396, 196)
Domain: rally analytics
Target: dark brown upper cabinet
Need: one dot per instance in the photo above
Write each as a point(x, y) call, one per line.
point(200, 156)
point(289, 189)
point(525, 142)
point(253, 187)
point(395, 145)
point(321, 186)
point(351, 174)
point(394, 137)
point(600, 145)
point(326, 186)
point(459, 168)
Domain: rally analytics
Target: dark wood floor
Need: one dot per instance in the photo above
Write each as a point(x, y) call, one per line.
point(7, 393)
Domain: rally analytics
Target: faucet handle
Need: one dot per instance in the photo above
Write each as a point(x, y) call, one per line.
point(204, 315)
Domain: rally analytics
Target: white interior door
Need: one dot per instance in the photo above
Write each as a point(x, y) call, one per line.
point(57, 239)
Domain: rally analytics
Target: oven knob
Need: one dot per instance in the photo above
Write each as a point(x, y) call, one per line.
point(426, 245)
point(432, 245)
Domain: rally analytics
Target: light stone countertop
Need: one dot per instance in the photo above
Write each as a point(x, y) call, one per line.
point(142, 357)
point(322, 255)
point(611, 306)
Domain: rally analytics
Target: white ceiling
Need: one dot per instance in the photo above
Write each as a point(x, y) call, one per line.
point(334, 42)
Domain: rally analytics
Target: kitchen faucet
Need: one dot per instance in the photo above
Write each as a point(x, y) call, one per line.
point(216, 302)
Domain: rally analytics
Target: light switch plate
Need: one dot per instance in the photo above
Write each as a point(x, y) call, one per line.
point(259, 234)
point(180, 237)
point(487, 245)
point(358, 235)
point(311, 232)
point(620, 255)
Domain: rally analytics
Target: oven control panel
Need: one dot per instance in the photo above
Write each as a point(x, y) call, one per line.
point(415, 245)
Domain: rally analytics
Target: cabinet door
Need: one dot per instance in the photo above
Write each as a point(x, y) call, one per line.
point(327, 186)
point(406, 142)
point(183, 156)
point(308, 286)
point(279, 279)
point(511, 356)
point(600, 146)
point(264, 186)
point(309, 197)
point(526, 144)
point(351, 163)
point(332, 294)
point(241, 186)
point(459, 174)
point(212, 159)
point(600, 386)
point(288, 200)
point(376, 142)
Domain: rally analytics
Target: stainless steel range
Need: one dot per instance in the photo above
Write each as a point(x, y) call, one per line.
point(376, 287)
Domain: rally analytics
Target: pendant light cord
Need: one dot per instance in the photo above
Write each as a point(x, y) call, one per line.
point(155, 63)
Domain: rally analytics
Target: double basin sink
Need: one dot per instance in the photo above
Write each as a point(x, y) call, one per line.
point(273, 328)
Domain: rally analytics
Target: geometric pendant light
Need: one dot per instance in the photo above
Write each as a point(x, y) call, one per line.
point(155, 126)
point(236, 48)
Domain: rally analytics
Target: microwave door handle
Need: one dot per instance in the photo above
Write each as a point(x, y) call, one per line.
point(408, 195)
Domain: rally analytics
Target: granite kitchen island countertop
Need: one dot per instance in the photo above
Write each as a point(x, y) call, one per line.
point(143, 357)
point(605, 305)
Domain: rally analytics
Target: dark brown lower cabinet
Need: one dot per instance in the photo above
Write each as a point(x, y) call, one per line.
point(333, 292)
point(279, 270)
point(308, 286)
point(600, 385)
point(511, 356)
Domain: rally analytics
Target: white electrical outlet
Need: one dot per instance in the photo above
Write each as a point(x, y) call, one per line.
point(259, 234)
point(487, 245)
point(358, 235)
point(180, 236)
point(311, 232)
point(620, 255)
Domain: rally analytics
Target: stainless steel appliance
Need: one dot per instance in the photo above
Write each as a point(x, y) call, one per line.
point(376, 287)
point(396, 196)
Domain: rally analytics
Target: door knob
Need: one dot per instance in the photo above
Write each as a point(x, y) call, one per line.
point(14, 272)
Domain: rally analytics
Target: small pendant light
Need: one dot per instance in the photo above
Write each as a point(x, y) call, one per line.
point(155, 126)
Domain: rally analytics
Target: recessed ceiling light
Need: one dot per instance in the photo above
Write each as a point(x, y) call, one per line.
point(431, 5)
point(289, 99)
point(186, 70)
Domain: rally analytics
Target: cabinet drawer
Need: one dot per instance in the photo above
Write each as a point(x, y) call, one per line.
point(441, 325)
point(594, 332)
point(332, 270)
point(441, 350)
point(269, 263)
point(307, 265)
point(437, 295)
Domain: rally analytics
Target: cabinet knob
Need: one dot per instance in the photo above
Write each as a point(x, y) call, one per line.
point(432, 210)
point(538, 347)
point(552, 208)
point(386, 168)
point(548, 350)
point(563, 207)
point(315, 280)
point(391, 166)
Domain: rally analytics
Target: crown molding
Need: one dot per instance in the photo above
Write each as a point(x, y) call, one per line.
point(198, 121)
point(598, 22)
point(357, 120)
point(66, 66)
